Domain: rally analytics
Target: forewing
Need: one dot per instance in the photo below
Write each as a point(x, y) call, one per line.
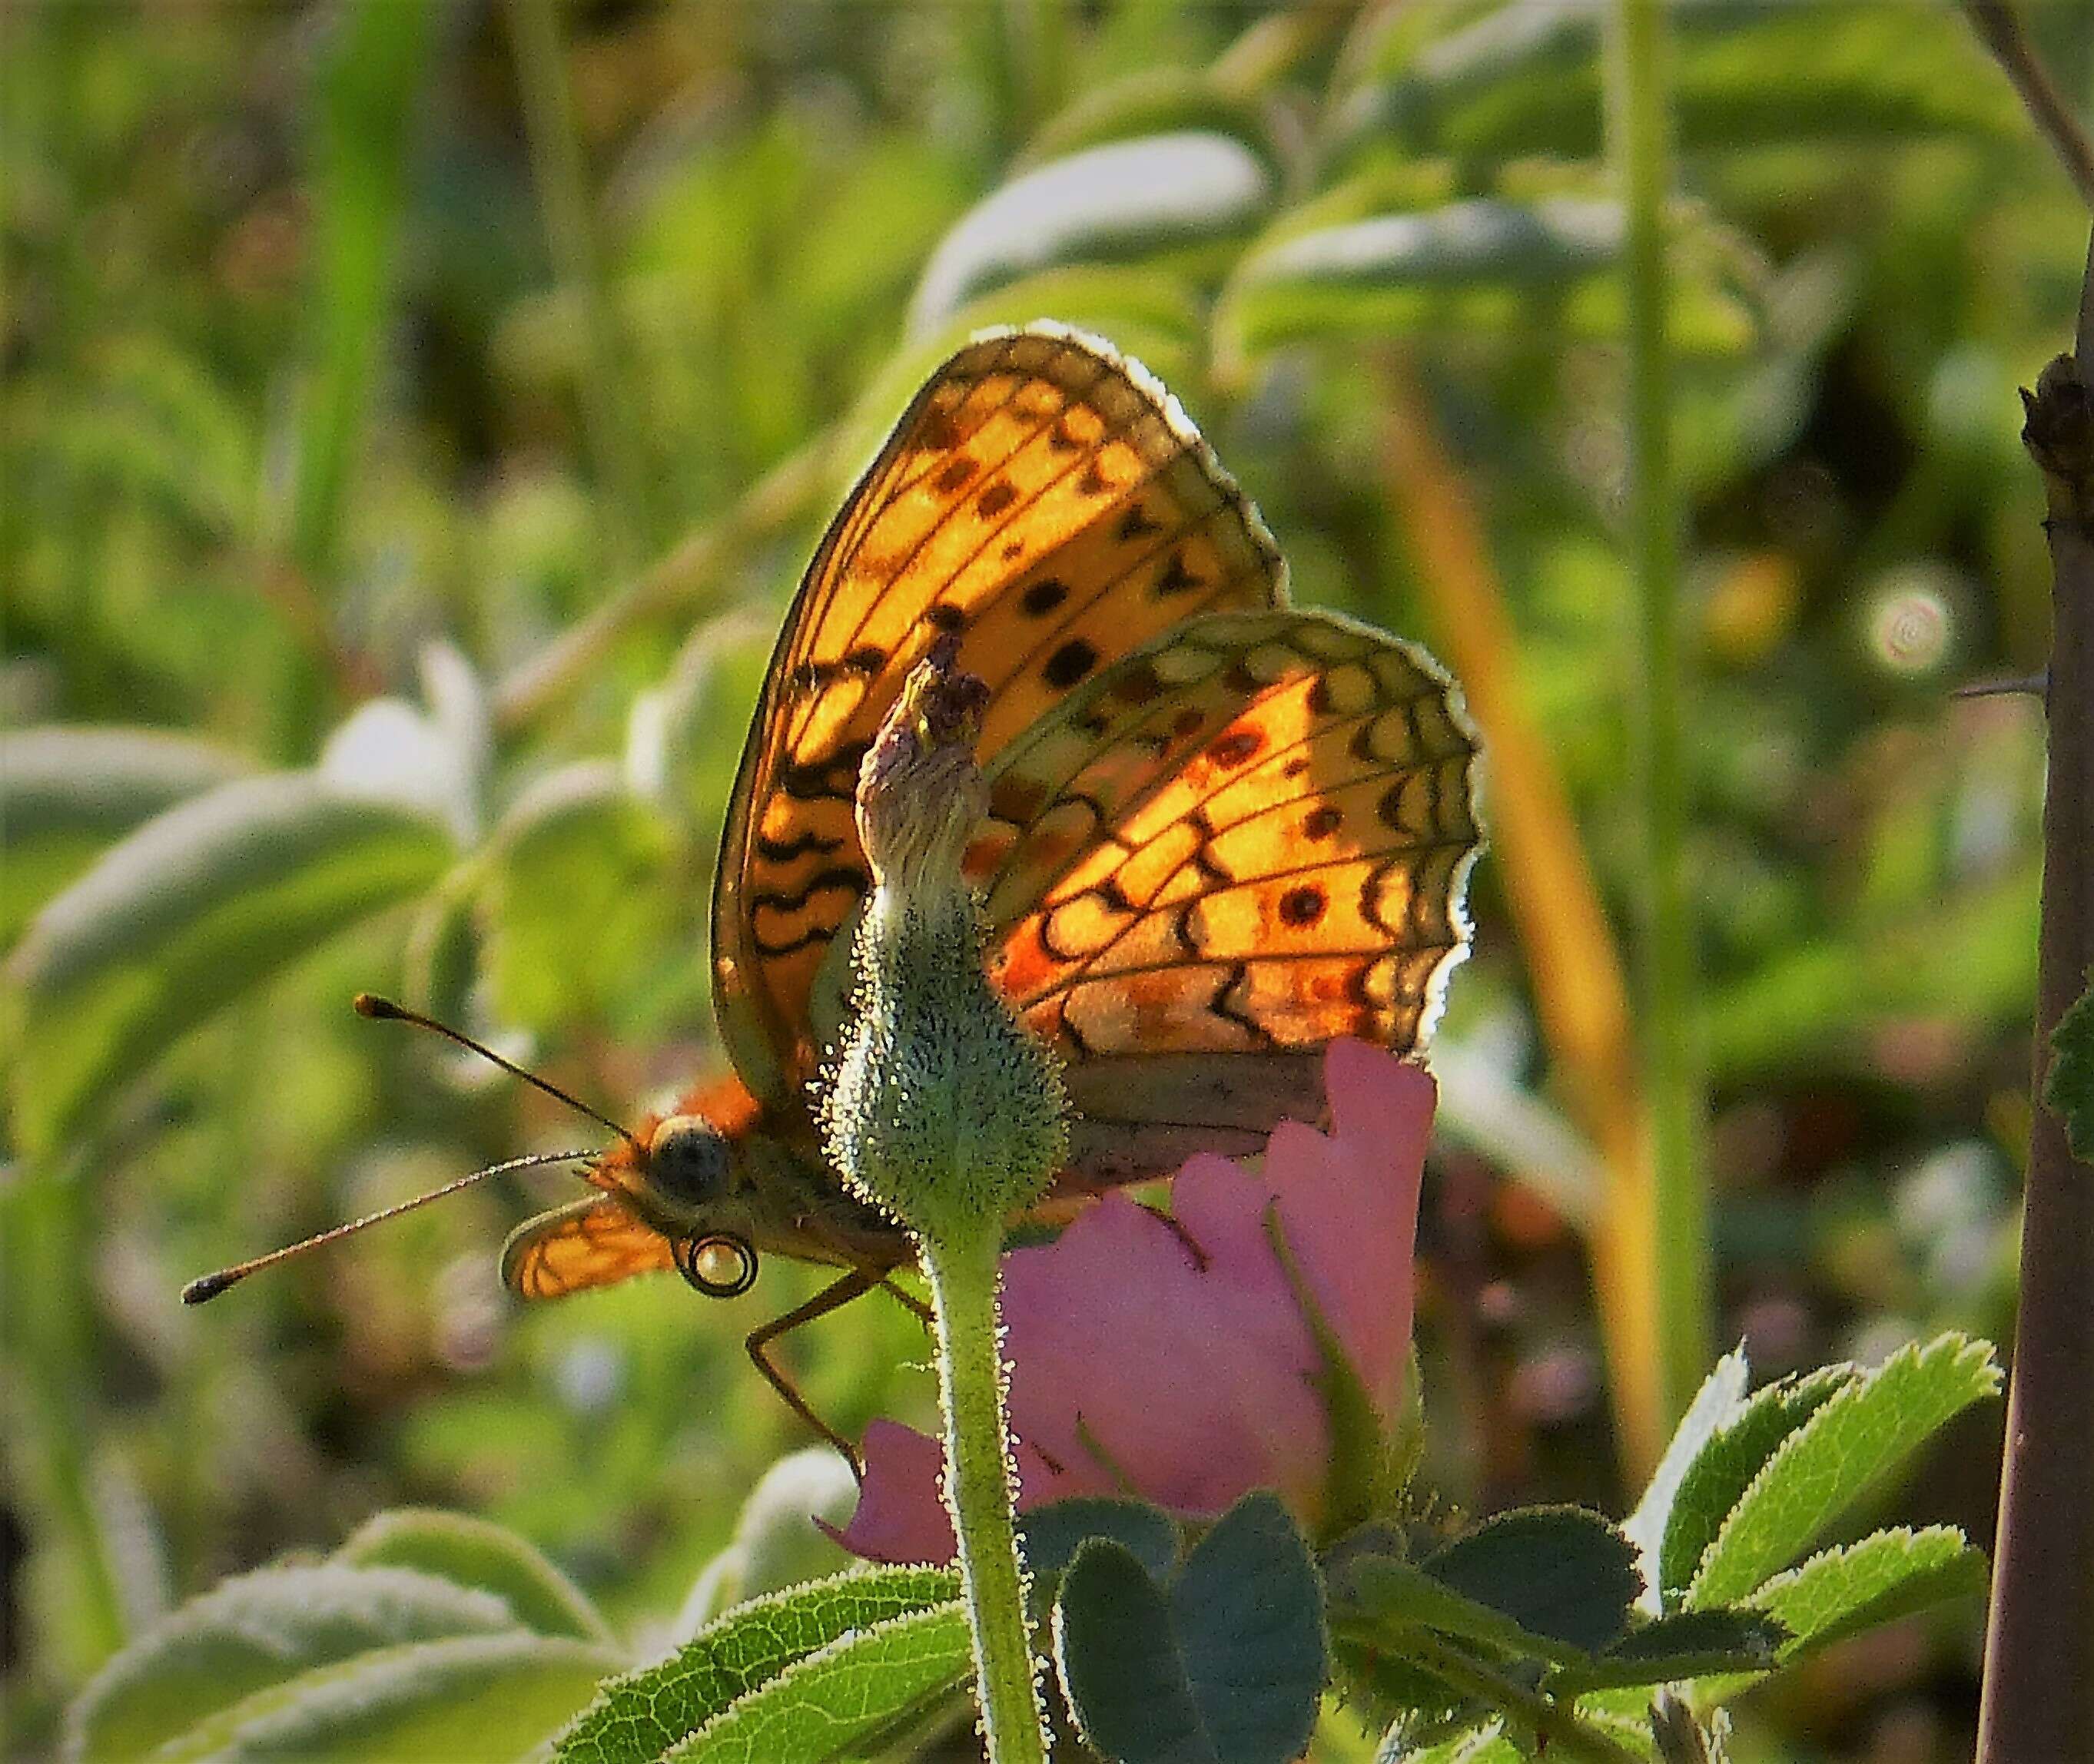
point(589, 1243)
point(1045, 499)
point(1221, 853)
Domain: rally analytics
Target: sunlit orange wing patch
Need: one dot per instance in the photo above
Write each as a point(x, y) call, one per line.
point(592, 1242)
point(1049, 502)
point(1221, 853)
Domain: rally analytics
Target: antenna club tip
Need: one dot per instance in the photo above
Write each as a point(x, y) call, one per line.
point(371, 1005)
point(209, 1286)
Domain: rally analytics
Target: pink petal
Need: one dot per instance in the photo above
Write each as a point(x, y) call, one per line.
point(900, 1516)
point(1139, 1371)
point(1171, 1359)
point(1350, 1206)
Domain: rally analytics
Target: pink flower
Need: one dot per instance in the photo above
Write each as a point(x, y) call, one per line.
point(1174, 1359)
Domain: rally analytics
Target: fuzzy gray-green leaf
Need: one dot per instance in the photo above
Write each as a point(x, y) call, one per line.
point(197, 905)
point(258, 1632)
point(471, 1552)
point(1486, 264)
point(468, 1699)
point(66, 792)
point(1124, 199)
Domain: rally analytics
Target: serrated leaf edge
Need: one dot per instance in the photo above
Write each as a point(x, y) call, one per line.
point(756, 1609)
point(1961, 1350)
point(689, 1748)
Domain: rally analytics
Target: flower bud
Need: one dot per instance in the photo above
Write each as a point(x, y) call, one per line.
point(938, 1106)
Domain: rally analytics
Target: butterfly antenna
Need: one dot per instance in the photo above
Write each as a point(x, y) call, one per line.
point(385, 1010)
point(211, 1285)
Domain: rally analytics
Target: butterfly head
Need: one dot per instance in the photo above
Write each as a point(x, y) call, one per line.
point(689, 1160)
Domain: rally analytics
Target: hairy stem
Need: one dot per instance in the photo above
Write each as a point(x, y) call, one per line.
point(981, 1495)
point(1677, 1224)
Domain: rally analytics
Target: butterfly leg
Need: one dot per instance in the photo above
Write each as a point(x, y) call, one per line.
point(833, 1296)
point(910, 1302)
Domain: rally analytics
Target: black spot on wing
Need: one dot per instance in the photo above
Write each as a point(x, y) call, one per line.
point(1069, 664)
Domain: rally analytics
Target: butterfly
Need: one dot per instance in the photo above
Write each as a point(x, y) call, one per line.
point(1223, 830)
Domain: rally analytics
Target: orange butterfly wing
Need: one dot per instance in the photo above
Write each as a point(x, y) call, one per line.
point(590, 1242)
point(1045, 499)
point(1217, 856)
point(1222, 832)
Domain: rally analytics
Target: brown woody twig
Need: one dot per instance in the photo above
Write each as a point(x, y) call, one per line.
point(2038, 1695)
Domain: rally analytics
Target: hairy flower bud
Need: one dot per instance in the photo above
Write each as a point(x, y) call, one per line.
point(939, 1106)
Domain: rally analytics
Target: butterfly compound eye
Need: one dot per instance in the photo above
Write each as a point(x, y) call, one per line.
point(688, 1160)
point(719, 1267)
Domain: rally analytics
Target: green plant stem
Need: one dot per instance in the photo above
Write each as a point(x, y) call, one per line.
point(1676, 1233)
point(364, 100)
point(2001, 33)
point(50, 1341)
point(1565, 1735)
point(556, 162)
point(980, 1494)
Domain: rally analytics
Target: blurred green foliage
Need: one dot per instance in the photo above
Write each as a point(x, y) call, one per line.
point(357, 354)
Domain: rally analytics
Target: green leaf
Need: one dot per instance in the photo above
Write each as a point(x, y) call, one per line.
point(1157, 100)
point(1717, 1404)
point(66, 791)
point(1841, 1592)
point(1249, 1603)
point(1050, 1536)
point(2069, 1088)
point(1377, 1597)
point(364, 111)
point(472, 1552)
point(1720, 1473)
point(1560, 1572)
point(1126, 200)
point(1486, 265)
point(1859, 1435)
point(1684, 1645)
point(490, 1698)
point(1119, 1664)
point(1971, 955)
point(100, 780)
point(825, 1703)
point(776, 1542)
point(258, 1632)
point(579, 915)
point(1482, 1745)
point(1228, 1664)
point(196, 907)
point(1526, 80)
point(644, 1713)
